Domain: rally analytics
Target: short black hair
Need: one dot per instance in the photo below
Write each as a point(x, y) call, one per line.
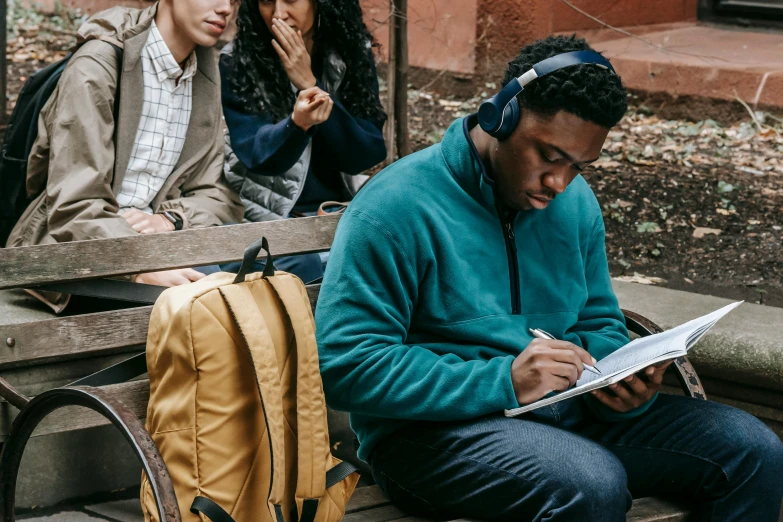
point(588, 91)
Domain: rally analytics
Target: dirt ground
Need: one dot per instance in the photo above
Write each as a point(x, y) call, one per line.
point(692, 190)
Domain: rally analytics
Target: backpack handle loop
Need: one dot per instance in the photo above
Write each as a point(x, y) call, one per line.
point(251, 254)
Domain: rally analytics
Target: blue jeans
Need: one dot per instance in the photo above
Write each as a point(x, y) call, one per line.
point(562, 463)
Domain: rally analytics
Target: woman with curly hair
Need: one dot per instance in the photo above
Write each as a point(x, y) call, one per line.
point(300, 98)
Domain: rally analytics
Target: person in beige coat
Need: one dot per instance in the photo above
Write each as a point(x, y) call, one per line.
point(159, 166)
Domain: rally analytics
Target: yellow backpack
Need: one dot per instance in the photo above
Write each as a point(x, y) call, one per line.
point(236, 402)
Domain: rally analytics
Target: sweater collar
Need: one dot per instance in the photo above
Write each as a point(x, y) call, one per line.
point(464, 162)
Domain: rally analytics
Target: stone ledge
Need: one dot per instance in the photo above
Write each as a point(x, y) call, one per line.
point(745, 347)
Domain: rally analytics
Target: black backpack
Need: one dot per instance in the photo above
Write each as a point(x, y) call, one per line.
point(20, 135)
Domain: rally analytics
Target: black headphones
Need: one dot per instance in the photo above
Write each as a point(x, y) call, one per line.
point(499, 115)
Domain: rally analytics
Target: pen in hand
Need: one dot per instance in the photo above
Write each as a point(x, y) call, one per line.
point(541, 334)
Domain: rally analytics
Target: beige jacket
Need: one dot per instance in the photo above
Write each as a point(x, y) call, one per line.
point(74, 170)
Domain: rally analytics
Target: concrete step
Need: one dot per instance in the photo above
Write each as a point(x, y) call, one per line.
point(698, 60)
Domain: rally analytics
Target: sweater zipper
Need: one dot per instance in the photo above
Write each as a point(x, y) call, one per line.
point(513, 266)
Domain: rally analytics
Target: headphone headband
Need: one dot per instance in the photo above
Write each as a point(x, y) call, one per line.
point(492, 113)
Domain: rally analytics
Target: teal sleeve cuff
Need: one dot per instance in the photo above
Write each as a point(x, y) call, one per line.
point(510, 396)
point(607, 414)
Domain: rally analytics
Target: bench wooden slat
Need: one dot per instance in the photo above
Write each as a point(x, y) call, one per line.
point(81, 336)
point(74, 337)
point(370, 504)
point(367, 497)
point(28, 266)
point(656, 510)
point(134, 395)
point(381, 514)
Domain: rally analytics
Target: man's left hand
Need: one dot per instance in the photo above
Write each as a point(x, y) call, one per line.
point(633, 391)
point(144, 223)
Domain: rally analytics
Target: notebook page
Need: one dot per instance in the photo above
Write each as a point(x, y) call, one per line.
point(637, 355)
point(680, 338)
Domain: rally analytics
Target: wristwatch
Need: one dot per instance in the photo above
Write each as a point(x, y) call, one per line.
point(174, 218)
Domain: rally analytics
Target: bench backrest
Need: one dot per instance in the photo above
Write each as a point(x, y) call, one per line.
point(124, 331)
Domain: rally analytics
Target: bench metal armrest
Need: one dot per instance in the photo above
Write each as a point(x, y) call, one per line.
point(690, 382)
point(116, 412)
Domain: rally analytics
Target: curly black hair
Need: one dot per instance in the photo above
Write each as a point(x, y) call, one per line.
point(588, 91)
point(257, 75)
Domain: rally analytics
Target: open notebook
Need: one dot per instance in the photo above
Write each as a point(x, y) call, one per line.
point(636, 355)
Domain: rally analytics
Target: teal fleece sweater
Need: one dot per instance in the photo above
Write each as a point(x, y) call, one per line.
point(428, 296)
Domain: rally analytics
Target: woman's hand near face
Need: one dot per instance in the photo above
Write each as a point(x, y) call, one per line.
point(313, 106)
point(290, 46)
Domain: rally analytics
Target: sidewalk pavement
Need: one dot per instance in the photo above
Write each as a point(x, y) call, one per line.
point(116, 511)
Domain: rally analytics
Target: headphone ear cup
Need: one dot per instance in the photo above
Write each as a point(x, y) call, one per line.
point(510, 120)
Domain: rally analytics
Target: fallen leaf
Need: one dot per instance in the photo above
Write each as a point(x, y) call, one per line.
point(722, 211)
point(754, 222)
point(725, 187)
point(640, 279)
point(700, 232)
point(648, 226)
point(749, 170)
point(606, 163)
point(689, 281)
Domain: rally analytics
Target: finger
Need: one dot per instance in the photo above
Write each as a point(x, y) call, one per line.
point(193, 275)
point(581, 352)
point(306, 94)
point(139, 227)
point(566, 357)
point(290, 34)
point(559, 383)
point(567, 371)
point(636, 385)
point(301, 41)
point(313, 106)
point(655, 377)
point(135, 219)
point(318, 95)
point(148, 231)
point(327, 109)
point(621, 391)
point(283, 36)
point(320, 114)
point(281, 53)
point(329, 106)
point(612, 402)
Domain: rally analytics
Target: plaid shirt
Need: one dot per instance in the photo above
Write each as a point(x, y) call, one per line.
point(163, 125)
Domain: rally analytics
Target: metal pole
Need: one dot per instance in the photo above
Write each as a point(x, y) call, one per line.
point(391, 85)
point(3, 65)
point(401, 78)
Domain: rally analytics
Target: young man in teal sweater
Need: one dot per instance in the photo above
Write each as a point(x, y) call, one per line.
point(439, 268)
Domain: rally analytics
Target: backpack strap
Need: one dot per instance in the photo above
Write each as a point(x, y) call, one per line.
point(312, 435)
point(250, 322)
point(209, 509)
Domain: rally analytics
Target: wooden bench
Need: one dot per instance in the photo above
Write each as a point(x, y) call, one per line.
point(88, 340)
